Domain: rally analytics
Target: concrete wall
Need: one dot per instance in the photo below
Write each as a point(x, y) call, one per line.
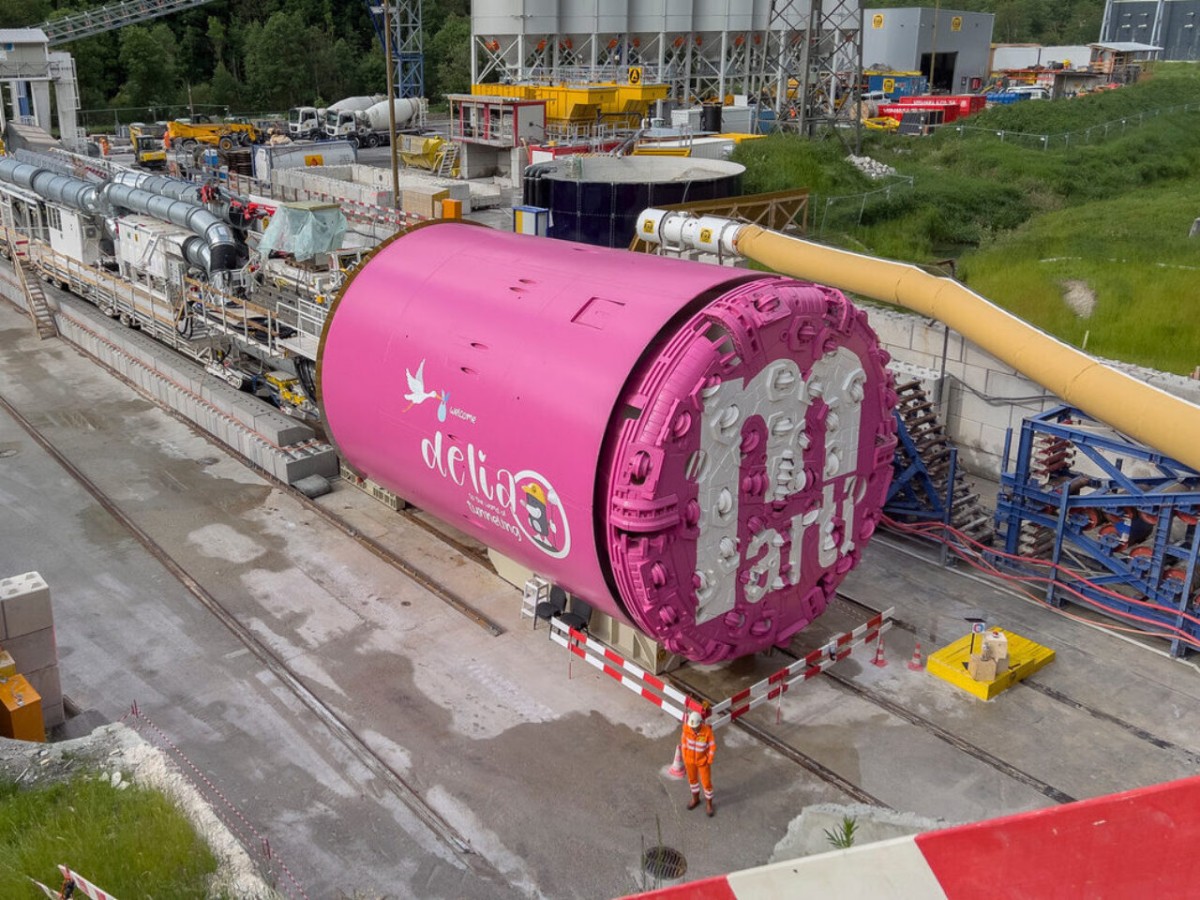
point(983, 397)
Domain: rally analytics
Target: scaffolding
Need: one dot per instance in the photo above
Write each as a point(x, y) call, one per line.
point(800, 55)
point(408, 53)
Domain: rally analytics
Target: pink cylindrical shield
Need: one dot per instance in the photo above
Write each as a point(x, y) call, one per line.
point(698, 450)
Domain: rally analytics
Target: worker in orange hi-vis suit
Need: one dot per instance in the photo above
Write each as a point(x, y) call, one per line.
point(697, 746)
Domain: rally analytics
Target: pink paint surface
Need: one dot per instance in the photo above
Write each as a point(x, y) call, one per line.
point(532, 339)
point(549, 398)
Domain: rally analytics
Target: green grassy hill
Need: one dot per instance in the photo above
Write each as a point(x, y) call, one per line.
point(1091, 196)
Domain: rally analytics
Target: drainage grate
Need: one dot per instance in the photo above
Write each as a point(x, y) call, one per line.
point(664, 863)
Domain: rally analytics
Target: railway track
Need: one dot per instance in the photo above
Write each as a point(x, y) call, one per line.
point(477, 555)
point(1137, 731)
point(393, 780)
point(788, 751)
point(407, 568)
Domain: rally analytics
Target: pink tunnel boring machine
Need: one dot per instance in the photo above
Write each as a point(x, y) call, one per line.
point(701, 452)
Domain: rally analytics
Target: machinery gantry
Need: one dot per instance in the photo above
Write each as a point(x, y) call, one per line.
point(107, 18)
point(1117, 520)
point(794, 56)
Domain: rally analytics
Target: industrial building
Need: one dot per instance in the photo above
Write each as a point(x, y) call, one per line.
point(1167, 29)
point(28, 71)
point(950, 47)
point(714, 51)
point(411, 513)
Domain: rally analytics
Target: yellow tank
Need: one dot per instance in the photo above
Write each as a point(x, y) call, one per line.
point(420, 152)
point(20, 710)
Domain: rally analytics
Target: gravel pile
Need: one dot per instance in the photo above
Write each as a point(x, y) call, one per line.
point(870, 167)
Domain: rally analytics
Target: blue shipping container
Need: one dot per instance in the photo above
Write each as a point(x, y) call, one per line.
point(894, 86)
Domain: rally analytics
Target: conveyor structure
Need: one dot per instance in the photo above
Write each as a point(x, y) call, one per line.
point(1117, 519)
point(927, 483)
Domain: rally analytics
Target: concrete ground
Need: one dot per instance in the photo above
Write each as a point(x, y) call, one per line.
point(553, 772)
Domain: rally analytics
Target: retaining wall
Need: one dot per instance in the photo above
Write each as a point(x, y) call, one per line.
point(982, 397)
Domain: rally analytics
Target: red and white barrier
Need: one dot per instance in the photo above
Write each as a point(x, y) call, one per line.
point(1139, 843)
point(673, 701)
point(801, 670)
point(82, 886)
point(677, 704)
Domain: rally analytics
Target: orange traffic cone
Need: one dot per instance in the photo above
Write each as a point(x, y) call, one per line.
point(915, 663)
point(676, 770)
point(879, 658)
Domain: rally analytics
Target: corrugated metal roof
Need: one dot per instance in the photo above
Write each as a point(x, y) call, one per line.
point(23, 36)
point(1126, 46)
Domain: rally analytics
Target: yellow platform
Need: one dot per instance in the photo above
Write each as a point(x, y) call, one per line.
point(1024, 658)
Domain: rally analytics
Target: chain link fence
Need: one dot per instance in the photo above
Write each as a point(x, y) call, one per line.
point(1094, 134)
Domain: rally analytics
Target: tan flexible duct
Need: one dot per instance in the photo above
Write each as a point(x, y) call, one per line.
point(1148, 414)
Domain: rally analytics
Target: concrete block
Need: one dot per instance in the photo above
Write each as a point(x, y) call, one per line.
point(25, 605)
point(930, 338)
point(290, 471)
point(1009, 387)
point(891, 329)
point(975, 356)
point(47, 683)
point(971, 408)
point(53, 714)
point(34, 651)
point(242, 408)
point(975, 376)
point(281, 430)
point(991, 440)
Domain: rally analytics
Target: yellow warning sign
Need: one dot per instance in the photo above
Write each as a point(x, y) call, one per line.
point(635, 74)
point(314, 159)
point(956, 23)
point(648, 226)
point(706, 235)
point(877, 21)
point(889, 85)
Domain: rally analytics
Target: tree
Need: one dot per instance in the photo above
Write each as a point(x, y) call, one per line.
point(23, 13)
point(225, 89)
point(450, 55)
point(148, 56)
point(279, 63)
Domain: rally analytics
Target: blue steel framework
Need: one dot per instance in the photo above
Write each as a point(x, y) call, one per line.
point(408, 55)
point(914, 494)
point(1124, 512)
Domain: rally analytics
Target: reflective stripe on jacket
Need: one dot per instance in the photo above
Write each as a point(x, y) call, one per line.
point(698, 745)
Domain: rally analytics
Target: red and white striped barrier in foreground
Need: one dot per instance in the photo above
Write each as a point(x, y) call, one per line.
point(677, 704)
point(1137, 844)
point(82, 885)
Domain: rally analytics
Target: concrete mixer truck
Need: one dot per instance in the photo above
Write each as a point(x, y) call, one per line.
point(308, 122)
point(370, 127)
